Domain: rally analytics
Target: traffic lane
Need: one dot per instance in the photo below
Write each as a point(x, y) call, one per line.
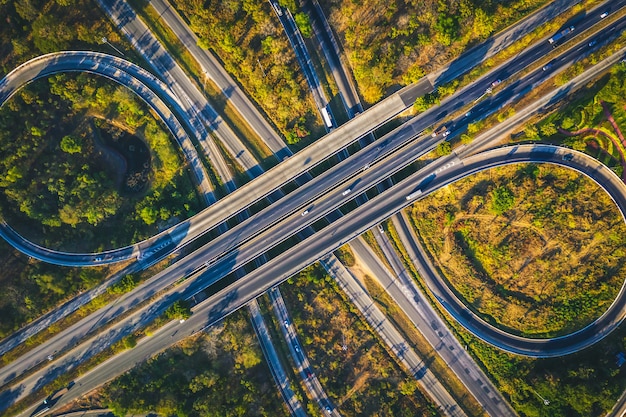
point(438, 335)
point(353, 224)
point(389, 334)
point(186, 265)
point(156, 55)
point(225, 83)
point(302, 363)
point(502, 40)
point(274, 363)
point(344, 86)
point(308, 251)
point(94, 63)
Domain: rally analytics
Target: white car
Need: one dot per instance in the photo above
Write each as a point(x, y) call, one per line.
point(305, 212)
point(446, 133)
point(603, 15)
point(346, 192)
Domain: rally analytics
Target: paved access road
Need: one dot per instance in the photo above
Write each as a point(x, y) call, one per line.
point(359, 296)
point(411, 300)
point(273, 361)
point(141, 82)
point(356, 128)
point(404, 130)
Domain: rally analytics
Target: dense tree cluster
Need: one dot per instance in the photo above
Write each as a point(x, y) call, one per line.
point(32, 27)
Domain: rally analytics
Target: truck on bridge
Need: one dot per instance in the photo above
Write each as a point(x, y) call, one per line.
point(556, 38)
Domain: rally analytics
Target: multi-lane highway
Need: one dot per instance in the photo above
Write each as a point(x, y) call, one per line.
point(316, 208)
point(230, 89)
point(359, 296)
point(264, 185)
point(353, 224)
point(291, 204)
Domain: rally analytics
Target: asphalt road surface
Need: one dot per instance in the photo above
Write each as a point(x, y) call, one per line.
point(194, 262)
point(359, 296)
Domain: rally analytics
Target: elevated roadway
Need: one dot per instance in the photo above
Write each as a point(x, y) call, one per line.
point(376, 175)
point(207, 255)
point(364, 217)
point(356, 128)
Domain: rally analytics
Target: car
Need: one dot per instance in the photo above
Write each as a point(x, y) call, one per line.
point(603, 15)
point(50, 357)
point(446, 133)
point(305, 212)
point(308, 373)
point(286, 323)
point(297, 348)
point(496, 82)
point(568, 157)
point(328, 409)
point(592, 43)
point(468, 114)
point(98, 259)
point(346, 192)
point(366, 167)
point(380, 229)
point(181, 321)
point(547, 67)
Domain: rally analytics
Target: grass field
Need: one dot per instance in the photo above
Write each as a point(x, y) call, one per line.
point(532, 248)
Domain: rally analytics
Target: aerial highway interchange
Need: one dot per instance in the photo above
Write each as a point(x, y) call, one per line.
point(323, 195)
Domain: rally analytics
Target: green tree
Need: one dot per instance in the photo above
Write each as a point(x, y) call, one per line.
point(304, 24)
point(425, 102)
point(531, 131)
point(149, 215)
point(443, 148)
point(548, 129)
point(70, 144)
point(502, 199)
point(178, 311)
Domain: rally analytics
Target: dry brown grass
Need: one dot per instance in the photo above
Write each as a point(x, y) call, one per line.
point(362, 380)
point(549, 265)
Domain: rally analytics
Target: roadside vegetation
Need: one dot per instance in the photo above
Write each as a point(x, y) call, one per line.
point(218, 373)
point(31, 287)
point(584, 384)
point(251, 44)
point(35, 27)
point(416, 340)
point(81, 156)
point(398, 42)
point(361, 379)
point(592, 121)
